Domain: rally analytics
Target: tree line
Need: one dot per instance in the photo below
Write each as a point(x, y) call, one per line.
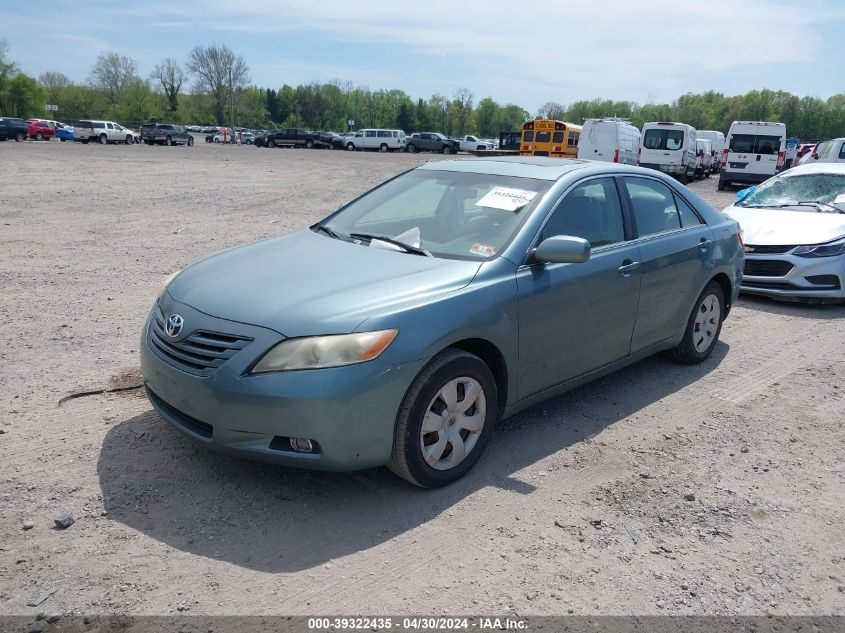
point(214, 83)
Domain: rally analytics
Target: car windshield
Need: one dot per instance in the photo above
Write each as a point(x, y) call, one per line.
point(454, 215)
point(799, 191)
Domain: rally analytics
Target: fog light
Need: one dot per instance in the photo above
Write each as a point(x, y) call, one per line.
point(301, 444)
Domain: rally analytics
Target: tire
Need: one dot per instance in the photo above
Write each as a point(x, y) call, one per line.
point(445, 150)
point(62, 140)
point(103, 139)
point(457, 368)
point(383, 148)
point(309, 144)
point(19, 137)
point(128, 140)
point(703, 326)
point(721, 185)
point(411, 149)
point(39, 137)
point(190, 141)
point(350, 147)
point(271, 143)
point(168, 141)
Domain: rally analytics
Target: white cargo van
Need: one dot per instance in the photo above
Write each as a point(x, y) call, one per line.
point(382, 140)
point(669, 147)
point(704, 151)
point(754, 152)
point(610, 140)
point(717, 140)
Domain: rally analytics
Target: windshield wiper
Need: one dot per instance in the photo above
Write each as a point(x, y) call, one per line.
point(406, 247)
point(324, 229)
point(819, 205)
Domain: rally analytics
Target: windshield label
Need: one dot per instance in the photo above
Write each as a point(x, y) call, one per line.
point(840, 199)
point(484, 250)
point(506, 198)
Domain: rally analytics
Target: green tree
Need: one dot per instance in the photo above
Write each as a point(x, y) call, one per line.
point(113, 74)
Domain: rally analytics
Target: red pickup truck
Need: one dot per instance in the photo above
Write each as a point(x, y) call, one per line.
point(40, 130)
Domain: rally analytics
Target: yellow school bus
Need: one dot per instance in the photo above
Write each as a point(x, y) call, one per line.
point(544, 137)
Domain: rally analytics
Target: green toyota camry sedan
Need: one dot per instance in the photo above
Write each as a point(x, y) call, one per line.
point(400, 329)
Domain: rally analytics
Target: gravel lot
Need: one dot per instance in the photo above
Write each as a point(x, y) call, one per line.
point(579, 506)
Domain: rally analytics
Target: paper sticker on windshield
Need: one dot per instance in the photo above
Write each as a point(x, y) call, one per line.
point(484, 250)
point(506, 198)
point(840, 199)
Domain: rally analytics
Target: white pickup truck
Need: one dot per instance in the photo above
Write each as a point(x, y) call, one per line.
point(470, 143)
point(102, 132)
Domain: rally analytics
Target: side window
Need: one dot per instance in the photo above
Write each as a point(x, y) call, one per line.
point(384, 134)
point(528, 136)
point(109, 126)
point(842, 151)
point(370, 133)
point(654, 206)
point(99, 125)
point(591, 211)
point(688, 216)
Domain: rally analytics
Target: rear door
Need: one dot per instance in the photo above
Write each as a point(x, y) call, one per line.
point(574, 318)
point(662, 146)
point(676, 257)
point(753, 154)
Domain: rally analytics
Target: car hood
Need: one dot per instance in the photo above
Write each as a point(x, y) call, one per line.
point(308, 284)
point(770, 227)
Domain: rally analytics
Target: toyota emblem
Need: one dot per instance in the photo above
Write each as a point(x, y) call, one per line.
point(174, 325)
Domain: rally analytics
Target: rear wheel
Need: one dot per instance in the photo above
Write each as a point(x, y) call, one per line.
point(39, 137)
point(309, 144)
point(190, 141)
point(168, 141)
point(721, 185)
point(445, 420)
point(19, 136)
point(103, 139)
point(703, 326)
point(383, 147)
point(271, 142)
point(411, 148)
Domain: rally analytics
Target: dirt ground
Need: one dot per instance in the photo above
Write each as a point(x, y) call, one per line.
point(715, 489)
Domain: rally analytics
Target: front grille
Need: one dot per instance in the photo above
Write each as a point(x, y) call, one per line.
point(767, 250)
point(200, 353)
point(766, 267)
point(774, 285)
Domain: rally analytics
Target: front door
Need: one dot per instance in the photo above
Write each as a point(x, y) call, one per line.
point(574, 318)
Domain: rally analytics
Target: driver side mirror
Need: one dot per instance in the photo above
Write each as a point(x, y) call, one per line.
point(563, 249)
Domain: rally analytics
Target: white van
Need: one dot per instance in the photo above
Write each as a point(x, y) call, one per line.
point(382, 140)
point(832, 151)
point(754, 152)
point(704, 151)
point(669, 147)
point(717, 140)
point(610, 140)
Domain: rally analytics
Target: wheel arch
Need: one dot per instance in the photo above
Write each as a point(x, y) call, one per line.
point(727, 289)
point(493, 358)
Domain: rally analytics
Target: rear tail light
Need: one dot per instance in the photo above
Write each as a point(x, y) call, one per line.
point(525, 148)
point(639, 151)
point(557, 148)
point(616, 156)
point(739, 237)
point(780, 161)
point(724, 157)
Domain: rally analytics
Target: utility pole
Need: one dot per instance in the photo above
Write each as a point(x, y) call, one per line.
point(232, 105)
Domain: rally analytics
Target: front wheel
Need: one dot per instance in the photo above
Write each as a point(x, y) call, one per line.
point(411, 149)
point(350, 147)
point(446, 150)
point(128, 140)
point(19, 137)
point(721, 185)
point(190, 141)
point(103, 139)
point(445, 420)
point(703, 326)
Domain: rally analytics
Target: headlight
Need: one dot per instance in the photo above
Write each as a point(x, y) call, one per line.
point(317, 352)
point(822, 250)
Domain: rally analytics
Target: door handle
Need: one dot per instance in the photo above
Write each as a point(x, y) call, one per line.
point(704, 243)
point(627, 269)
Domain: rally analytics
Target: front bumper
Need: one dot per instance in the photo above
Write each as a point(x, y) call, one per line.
point(349, 412)
point(811, 279)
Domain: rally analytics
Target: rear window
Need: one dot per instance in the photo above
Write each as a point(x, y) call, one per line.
point(754, 144)
point(663, 139)
point(557, 137)
point(544, 137)
point(573, 139)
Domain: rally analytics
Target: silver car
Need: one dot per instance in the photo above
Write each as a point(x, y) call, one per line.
point(794, 230)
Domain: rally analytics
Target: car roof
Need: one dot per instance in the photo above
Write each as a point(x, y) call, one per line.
point(816, 168)
point(540, 168)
